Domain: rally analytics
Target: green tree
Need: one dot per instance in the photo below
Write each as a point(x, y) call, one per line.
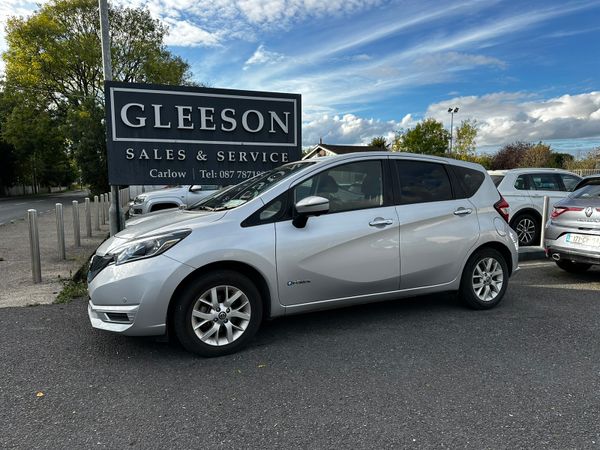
point(466, 133)
point(54, 63)
point(536, 155)
point(429, 137)
point(379, 142)
point(510, 156)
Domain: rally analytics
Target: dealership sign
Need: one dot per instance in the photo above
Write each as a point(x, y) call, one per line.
point(188, 135)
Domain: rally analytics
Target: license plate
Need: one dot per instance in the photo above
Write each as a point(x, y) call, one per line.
point(592, 241)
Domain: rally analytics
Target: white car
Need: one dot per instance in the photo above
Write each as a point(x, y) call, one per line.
point(524, 190)
point(172, 197)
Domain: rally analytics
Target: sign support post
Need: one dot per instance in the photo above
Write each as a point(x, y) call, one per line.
point(113, 212)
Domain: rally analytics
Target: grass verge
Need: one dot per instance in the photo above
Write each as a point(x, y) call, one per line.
point(74, 287)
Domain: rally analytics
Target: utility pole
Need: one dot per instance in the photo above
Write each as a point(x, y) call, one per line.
point(113, 211)
point(452, 111)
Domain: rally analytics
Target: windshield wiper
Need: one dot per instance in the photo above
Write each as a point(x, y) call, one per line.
point(204, 208)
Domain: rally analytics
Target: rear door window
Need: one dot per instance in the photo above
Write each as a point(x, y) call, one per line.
point(422, 182)
point(546, 182)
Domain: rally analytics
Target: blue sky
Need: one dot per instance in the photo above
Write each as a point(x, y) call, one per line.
point(524, 69)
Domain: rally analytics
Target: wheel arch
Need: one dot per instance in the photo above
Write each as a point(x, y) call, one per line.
point(499, 247)
point(243, 268)
point(528, 210)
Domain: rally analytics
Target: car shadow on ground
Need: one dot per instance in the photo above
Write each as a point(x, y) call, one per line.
point(301, 329)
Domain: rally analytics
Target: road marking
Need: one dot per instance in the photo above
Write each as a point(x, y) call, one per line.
point(19, 204)
point(535, 264)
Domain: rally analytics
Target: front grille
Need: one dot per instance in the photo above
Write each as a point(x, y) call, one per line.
point(97, 264)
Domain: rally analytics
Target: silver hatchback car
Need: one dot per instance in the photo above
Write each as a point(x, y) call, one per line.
point(309, 235)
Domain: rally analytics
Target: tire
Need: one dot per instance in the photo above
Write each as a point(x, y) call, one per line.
point(479, 292)
point(572, 267)
point(209, 331)
point(527, 227)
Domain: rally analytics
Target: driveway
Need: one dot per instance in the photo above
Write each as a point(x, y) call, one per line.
point(416, 373)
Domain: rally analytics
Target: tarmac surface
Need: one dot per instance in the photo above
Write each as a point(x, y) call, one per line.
point(414, 373)
point(15, 208)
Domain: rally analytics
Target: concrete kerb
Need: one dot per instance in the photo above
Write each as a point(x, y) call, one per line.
point(531, 253)
point(18, 288)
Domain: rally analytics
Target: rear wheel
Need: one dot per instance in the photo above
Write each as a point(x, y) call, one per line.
point(484, 279)
point(572, 267)
point(527, 228)
point(217, 314)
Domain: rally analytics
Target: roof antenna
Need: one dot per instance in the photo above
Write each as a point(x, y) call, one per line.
point(320, 140)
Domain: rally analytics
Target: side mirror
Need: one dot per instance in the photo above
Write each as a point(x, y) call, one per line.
point(195, 188)
point(309, 206)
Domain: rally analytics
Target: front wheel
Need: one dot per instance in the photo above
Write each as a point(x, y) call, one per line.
point(484, 279)
point(217, 314)
point(572, 267)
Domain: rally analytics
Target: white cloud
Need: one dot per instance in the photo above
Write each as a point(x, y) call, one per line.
point(507, 117)
point(350, 129)
point(280, 12)
point(186, 34)
point(262, 56)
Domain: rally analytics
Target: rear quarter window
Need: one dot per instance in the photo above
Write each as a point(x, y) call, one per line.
point(469, 181)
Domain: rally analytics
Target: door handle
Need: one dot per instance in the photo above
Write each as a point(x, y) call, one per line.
point(463, 211)
point(380, 222)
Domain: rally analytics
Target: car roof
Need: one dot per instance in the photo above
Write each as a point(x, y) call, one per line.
point(384, 154)
point(529, 170)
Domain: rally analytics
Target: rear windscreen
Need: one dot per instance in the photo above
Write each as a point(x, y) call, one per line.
point(497, 179)
point(589, 191)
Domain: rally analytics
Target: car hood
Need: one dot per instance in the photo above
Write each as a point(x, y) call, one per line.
point(160, 223)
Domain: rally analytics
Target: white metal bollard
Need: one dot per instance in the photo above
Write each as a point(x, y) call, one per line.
point(88, 218)
point(76, 230)
point(34, 245)
point(544, 219)
point(96, 213)
point(60, 231)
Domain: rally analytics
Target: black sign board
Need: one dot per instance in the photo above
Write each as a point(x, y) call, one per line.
point(187, 135)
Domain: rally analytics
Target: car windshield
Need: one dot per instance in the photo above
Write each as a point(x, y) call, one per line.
point(589, 191)
point(497, 179)
point(245, 191)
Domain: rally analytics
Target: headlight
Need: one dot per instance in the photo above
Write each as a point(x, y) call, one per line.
point(139, 199)
point(148, 246)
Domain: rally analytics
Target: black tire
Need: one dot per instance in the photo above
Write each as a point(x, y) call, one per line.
point(467, 292)
point(572, 267)
point(523, 224)
point(190, 298)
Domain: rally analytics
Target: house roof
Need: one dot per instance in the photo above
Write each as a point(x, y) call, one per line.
point(343, 149)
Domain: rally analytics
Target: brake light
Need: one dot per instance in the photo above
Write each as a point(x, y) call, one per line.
point(558, 210)
point(502, 207)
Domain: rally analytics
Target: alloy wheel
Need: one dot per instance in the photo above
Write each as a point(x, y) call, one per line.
point(525, 230)
point(221, 315)
point(487, 279)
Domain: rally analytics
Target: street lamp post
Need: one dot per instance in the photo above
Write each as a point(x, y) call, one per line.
point(452, 111)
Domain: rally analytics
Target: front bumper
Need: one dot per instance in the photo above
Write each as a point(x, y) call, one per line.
point(116, 318)
point(133, 298)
